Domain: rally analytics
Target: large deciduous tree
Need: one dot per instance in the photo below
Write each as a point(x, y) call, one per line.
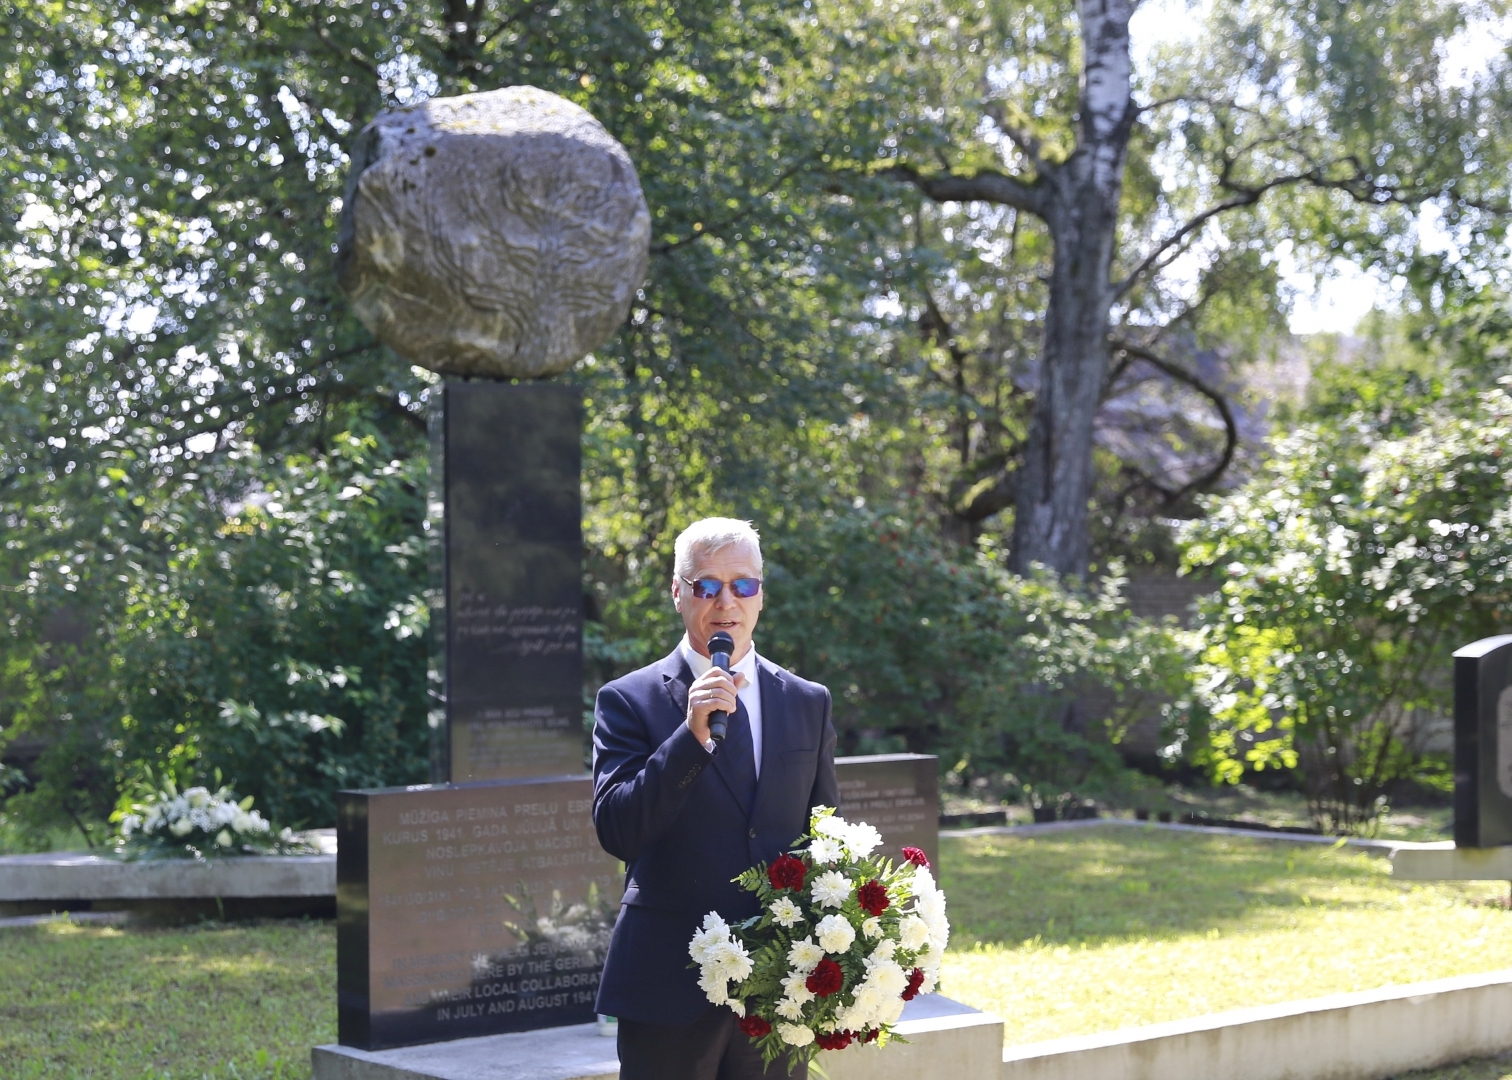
point(1164, 194)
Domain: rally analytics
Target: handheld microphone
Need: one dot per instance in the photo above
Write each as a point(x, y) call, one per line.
point(721, 645)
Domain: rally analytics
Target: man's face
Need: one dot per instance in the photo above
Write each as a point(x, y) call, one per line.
point(727, 612)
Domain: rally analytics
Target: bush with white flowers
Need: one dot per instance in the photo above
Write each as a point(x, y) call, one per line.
point(198, 824)
point(844, 938)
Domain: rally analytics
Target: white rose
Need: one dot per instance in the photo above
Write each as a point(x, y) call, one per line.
point(181, 827)
point(785, 912)
point(795, 1034)
point(831, 889)
point(197, 797)
point(835, 933)
point(913, 933)
point(805, 955)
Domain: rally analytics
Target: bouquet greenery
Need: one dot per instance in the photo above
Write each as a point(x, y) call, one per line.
point(198, 824)
point(844, 938)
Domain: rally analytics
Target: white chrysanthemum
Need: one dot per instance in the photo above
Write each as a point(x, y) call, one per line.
point(790, 1009)
point(887, 977)
point(197, 797)
point(913, 933)
point(832, 825)
point(795, 987)
point(805, 955)
point(872, 928)
point(889, 1011)
point(831, 888)
point(884, 950)
point(716, 989)
point(712, 921)
point(928, 985)
point(835, 933)
point(181, 827)
point(737, 1006)
point(786, 913)
point(862, 839)
point(795, 1034)
point(923, 882)
point(825, 850)
point(701, 948)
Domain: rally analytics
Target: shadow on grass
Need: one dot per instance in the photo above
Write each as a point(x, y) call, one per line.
point(1098, 885)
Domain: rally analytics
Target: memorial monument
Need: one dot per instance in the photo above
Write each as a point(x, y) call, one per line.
point(495, 238)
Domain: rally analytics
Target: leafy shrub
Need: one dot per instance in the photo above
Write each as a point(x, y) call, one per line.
point(1370, 547)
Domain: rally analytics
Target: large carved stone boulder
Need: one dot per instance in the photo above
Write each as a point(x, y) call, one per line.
point(500, 235)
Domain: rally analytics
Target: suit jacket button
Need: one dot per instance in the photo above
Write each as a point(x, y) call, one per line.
point(753, 834)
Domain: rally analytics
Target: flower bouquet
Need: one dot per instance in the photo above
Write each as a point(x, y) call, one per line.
point(844, 938)
point(197, 824)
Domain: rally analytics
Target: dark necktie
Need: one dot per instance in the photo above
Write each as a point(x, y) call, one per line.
point(737, 757)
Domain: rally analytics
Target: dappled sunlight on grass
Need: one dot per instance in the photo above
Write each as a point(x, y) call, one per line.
point(1079, 932)
point(224, 1002)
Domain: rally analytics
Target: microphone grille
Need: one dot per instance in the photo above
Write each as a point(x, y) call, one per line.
point(721, 642)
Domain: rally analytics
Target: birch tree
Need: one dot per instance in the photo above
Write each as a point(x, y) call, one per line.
point(1322, 127)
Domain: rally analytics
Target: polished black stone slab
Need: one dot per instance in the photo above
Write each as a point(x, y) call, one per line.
point(898, 795)
point(514, 588)
point(469, 909)
point(1483, 743)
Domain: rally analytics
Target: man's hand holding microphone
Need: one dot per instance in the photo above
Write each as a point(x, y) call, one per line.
point(712, 697)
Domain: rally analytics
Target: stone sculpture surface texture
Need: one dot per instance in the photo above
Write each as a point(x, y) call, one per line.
point(498, 235)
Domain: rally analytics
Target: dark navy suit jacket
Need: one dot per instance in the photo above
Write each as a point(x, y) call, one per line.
point(663, 804)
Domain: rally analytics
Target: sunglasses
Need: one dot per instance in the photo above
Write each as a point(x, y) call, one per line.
point(707, 588)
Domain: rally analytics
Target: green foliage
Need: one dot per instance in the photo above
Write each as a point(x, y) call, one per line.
point(1371, 546)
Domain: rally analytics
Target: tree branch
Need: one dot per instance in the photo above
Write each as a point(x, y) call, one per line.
point(1213, 394)
point(985, 186)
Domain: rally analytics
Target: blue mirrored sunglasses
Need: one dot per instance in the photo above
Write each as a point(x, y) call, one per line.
point(707, 588)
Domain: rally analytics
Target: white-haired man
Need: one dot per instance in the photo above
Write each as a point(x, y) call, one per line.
point(687, 814)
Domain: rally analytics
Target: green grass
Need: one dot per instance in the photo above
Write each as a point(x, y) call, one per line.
point(1060, 934)
point(228, 1003)
point(1079, 932)
point(1497, 1068)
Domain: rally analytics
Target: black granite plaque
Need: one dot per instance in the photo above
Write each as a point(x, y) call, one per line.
point(897, 794)
point(469, 909)
point(514, 586)
point(1483, 743)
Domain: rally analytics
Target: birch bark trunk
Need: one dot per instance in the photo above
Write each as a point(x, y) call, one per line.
point(1079, 204)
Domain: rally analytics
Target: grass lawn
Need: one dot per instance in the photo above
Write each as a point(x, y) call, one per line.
point(1060, 934)
point(228, 1003)
point(1078, 932)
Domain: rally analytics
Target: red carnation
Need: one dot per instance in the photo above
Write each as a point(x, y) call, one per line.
point(871, 1036)
point(873, 897)
point(787, 873)
point(915, 981)
point(916, 856)
point(834, 1040)
point(826, 978)
point(754, 1026)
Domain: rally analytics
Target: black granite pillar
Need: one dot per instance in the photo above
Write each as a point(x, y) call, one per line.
point(513, 657)
point(1483, 743)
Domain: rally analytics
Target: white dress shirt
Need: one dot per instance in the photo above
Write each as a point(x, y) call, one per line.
point(749, 694)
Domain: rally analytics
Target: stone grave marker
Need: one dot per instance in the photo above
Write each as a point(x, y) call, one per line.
point(469, 909)
point(1483, 743)
point(898, 794)
point(512, 536)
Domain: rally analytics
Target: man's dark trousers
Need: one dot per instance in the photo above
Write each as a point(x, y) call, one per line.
point(686, 822)
point(711, 1048)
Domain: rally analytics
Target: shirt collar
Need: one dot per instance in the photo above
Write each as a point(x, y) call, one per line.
point(699, 663)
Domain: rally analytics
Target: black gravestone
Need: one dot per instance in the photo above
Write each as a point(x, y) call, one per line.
point(1483, 743)
point(897, 794)
point(469, 909)
point(514, 585)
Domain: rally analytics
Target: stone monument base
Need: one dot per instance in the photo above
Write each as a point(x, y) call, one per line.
point(1445, 861)
point(945, 1038)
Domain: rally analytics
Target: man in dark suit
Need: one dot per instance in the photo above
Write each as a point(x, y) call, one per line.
point(687, 815)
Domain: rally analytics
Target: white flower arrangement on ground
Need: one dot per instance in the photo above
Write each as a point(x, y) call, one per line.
point(844, 938)
point(198, 824)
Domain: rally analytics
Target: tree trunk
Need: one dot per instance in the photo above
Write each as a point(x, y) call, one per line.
point(1080, 207)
